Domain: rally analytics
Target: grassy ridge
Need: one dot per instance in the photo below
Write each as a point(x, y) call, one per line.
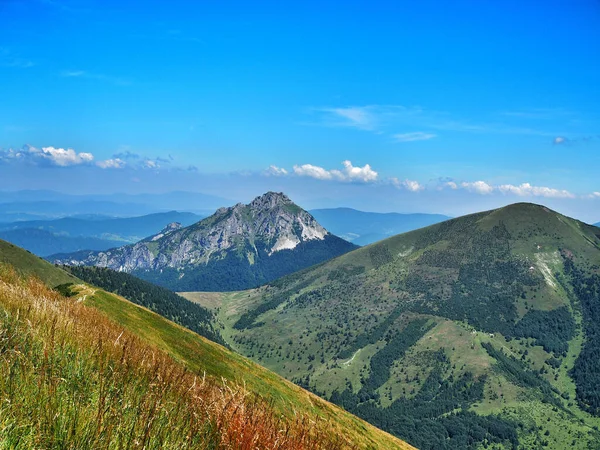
point(157, 299)
point(140, 381)
point(63, 387)
point(202, 356)
point(29, 264)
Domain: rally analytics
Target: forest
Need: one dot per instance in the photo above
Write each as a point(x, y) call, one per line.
point(586, 371)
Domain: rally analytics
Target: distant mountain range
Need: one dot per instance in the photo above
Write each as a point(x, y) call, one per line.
point(364, 228)
point(236, 248)
point(44, 243)
point(71, 234)
point(128, 229)
point(32, 205)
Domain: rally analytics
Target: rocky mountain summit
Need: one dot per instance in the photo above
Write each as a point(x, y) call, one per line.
point(237, 247)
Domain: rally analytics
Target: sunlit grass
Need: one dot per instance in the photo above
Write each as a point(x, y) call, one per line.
point(72, 378)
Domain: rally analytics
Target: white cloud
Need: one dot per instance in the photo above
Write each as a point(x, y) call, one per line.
point(527, 190)
point(150, 164)
point(410, 185)
point(65, 157)
point(352, 116)
point(363, 174)
point(479, 187)
point(114, 163)
point(275, 171)
point(308, 170)
point(416, 136)
point(559, 140)
point(46, 156)
point(522, 190)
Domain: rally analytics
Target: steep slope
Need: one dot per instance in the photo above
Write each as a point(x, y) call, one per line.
point(235, 248)
point(44, 243)
point(364, 228)
point(481, 329)
point(29, 264)
point(102, 372)
point(157, 299)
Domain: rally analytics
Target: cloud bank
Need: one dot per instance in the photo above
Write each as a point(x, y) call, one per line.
point(349, 173)
point(49, 156)
point(67, 157)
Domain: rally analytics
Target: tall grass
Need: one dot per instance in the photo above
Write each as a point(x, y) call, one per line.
point(72, 379)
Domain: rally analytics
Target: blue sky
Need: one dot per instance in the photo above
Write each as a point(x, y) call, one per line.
point(412, 106)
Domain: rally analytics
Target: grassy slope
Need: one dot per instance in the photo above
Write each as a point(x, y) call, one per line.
point(536, 233)
point(205, 357)
point(29, 264)
point(64, 387)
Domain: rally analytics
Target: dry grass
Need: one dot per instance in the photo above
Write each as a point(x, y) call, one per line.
point(70, 379)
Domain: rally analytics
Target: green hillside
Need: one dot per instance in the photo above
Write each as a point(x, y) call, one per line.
point(478, 331)
point(96, 371)
point(29, 264)
point(157, 299)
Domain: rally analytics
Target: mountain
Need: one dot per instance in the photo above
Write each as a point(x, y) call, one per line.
point(94, 370)
point(126, 230)
point(597, 224)
point(236, 248)
point(44, 243)
point(479, 331)
point(363, 228)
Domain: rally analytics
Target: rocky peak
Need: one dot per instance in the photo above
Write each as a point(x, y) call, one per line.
point(270, 200)
point(271, 218)
point(271, 222)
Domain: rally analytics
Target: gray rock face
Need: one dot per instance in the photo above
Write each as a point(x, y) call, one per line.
point(271, 220)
